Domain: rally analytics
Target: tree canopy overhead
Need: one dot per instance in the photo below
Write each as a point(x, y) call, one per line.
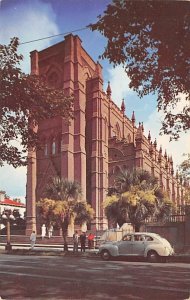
point(25, 100)
point(151, 40)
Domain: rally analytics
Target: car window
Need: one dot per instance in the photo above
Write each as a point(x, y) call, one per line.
point(127, 237)
point(138, 238)
point(148, 238)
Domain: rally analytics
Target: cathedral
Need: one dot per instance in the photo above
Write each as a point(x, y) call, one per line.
point(98, 142)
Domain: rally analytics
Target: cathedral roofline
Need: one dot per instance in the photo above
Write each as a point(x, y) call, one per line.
point(54, 46)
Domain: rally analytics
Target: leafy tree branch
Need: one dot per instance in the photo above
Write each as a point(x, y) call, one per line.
point(25, 100)
point(150, 39)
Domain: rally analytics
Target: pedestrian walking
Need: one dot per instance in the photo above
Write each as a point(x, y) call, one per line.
point(90, 240)
point(50, 231)
point(83, 241)
point(32, 239)
point(43, 231)
point(75, 241)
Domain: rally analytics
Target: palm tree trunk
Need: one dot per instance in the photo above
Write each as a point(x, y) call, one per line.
point(65, 241)
point(64, 227)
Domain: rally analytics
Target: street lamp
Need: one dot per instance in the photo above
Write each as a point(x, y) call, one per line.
point(7, 216)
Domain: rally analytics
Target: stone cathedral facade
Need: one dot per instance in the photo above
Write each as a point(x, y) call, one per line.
point(100, 139)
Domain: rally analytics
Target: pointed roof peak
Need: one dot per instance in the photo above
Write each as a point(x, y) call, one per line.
point(149, 136)
point(142, 126)
point(108, 90)
point(133, 117)
point(155, 143)
point(139, 134)
point(123, 106)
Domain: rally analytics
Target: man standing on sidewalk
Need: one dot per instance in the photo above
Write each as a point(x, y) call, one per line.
point(32, 239)
point(83, 241)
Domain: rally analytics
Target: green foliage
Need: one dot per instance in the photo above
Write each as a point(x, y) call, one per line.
point(25, 100)
point(184, 173)
point(83, 212)
point(63, 189)
point(151, 40)
point(138, 197)
point(17, 222)
point(137, 177)
point(52, 211)
point(63, 204)
point(184, 168)
point(112, 210)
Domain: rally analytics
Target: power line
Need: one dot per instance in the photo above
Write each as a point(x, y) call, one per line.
point(55, 35)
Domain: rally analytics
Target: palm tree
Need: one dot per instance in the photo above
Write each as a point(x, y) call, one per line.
point(63, 189)
point(63, 205)
point(137, 197)
point(136, 177)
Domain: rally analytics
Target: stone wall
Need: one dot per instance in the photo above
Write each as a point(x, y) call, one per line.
point(177, 233)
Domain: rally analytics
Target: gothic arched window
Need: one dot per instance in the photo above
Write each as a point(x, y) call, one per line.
point(53, 147)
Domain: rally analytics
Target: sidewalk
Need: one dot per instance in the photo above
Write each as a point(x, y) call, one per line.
point(45, 249)
point(55, 247)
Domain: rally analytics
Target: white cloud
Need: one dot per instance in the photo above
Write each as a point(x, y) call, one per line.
point(28, 21)
point(174, 148)
point(119, 82)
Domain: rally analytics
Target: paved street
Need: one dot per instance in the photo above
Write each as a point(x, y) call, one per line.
point(43, 277)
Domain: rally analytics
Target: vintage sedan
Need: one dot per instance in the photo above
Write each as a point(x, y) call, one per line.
point(142, 244)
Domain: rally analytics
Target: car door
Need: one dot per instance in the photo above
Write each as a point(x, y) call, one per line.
point(125, 245)
point(138, 246)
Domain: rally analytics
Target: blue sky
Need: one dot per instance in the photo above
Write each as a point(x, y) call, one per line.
point(33, 19)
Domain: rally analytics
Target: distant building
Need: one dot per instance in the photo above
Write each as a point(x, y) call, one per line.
point(97, 143)
point(12, 204)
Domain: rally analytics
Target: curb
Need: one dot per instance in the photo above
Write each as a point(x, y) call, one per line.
point(49, 253)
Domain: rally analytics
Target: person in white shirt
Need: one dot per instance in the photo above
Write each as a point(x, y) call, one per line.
point(75, 241)
point(50, 231)
point(43, 231)
point(32, 239)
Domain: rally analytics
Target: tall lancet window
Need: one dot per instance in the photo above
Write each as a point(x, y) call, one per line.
point(53, 147)
point(46, 149)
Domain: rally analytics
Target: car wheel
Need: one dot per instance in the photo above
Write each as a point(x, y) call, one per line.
point(105, 255)
point(152, 256)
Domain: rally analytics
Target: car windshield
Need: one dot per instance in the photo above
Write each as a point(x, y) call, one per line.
point(138, 238)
